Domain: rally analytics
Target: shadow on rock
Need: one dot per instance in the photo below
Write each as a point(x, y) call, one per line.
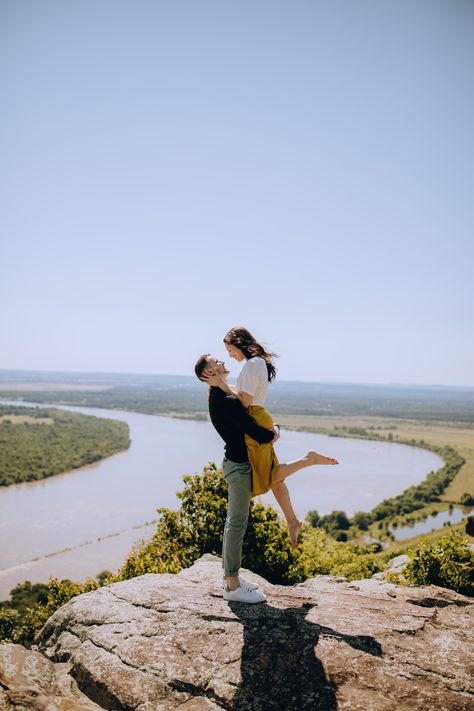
point(280, 669)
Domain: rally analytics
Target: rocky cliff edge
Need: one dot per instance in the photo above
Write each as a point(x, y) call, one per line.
point(160, 642)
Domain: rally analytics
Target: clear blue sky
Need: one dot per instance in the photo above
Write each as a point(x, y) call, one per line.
point(171, 169)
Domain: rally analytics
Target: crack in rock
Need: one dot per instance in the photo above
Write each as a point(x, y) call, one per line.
point(438, 602)
point(193, 690)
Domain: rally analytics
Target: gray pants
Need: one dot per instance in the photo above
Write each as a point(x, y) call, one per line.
point(239, 480)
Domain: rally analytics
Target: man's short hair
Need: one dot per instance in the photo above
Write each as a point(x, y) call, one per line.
point(201, 364)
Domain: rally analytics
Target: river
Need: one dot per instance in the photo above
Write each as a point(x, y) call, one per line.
point(77, 524)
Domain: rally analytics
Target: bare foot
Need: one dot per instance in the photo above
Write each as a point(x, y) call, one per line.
point(293, 530)
point(317, 458)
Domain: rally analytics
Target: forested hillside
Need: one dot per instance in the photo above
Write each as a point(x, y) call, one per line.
point(185, 396)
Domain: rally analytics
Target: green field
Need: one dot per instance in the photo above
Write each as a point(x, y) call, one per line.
point(25, 419)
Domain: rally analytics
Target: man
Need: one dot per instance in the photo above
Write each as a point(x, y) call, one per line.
point(232, 422)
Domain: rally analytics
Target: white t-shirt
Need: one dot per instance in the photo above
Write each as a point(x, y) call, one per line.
point(253, 379)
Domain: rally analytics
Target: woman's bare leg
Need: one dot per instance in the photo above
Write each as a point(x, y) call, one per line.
point(282, 495)
point(309, 460)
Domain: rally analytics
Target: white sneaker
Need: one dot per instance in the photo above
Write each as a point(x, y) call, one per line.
point(243, 581)
point(243, 594)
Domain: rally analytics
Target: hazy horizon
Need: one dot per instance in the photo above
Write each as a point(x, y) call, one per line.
point(171, 170)
point(34, 371)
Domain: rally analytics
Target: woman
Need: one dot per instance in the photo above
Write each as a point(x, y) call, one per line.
point(251, 389)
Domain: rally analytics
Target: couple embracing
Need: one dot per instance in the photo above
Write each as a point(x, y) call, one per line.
point(250, 465)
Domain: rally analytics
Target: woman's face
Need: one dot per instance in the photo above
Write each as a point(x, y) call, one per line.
point(235, 352)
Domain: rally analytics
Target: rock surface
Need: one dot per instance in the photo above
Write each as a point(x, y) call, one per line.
point(30, 682)
point(160, 642)
point(398, 563)
point(395, 565)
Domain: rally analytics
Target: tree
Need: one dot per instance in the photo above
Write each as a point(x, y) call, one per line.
point(313, 518)
point(361, 519)
point(335, 521)
point(26, 595)
point(469, 528)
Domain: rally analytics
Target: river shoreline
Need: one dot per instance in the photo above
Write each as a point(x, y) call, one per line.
point(123, 491)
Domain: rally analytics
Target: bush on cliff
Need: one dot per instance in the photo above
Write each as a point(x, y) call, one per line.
point(179, 539)
point(448, 562)
point(183, 536)
point(31, 605)
point(21, 627)
point(323, 555)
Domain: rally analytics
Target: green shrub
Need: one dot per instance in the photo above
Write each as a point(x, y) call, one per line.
point(21, 627)
point(160, 555)
point(448, 562)
point(183, 536)
point(61, 591)
point(179, 539)
point(322, 555)
point(9, 625)
point(267, 549)
point(29, 607)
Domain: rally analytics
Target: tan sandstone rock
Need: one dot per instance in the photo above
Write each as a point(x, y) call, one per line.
point(30, 682)
point(166, 641)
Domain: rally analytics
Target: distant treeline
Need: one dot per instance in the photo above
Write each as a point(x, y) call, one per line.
point(418, 495)
point(38, 443)
point(402, 402)
point(158, 395)
point(415, 497)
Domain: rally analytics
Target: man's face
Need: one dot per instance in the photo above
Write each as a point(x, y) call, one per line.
point(214, 367)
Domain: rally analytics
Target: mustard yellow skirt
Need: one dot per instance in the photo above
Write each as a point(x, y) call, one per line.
point(262, 457)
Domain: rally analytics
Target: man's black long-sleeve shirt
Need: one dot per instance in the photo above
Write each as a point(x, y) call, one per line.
point(232, 421)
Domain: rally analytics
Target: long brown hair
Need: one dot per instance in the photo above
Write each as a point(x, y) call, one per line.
point(245, 342)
